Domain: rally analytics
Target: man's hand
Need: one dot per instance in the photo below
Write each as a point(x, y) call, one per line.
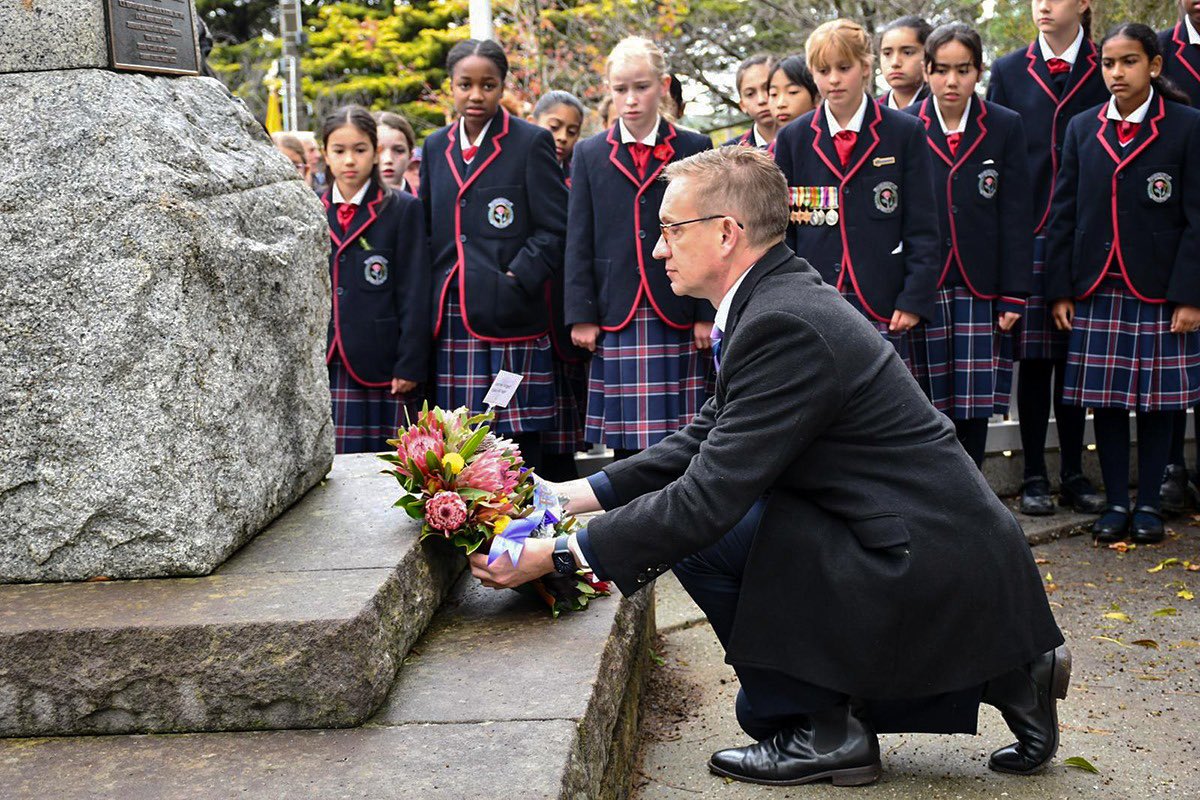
point(1007, 320)
point(535, 561)
point(584, 334)
point(1063, 312)
point(702, 335)
point(902, 321)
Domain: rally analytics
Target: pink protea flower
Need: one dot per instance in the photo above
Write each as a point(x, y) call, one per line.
point(417, 441)
point(491, 472)
point(446, 511)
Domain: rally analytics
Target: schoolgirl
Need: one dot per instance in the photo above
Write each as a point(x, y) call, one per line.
point(1048, 82)
point(754, 99)
point(792, 90)
point(495, 203)
point(651, 364)
point(982, 188)
point(562, 114)
point(902, 60)
point(861, 192)
point(1181, 65)
point(1123, 271)
point(379, 269)
point(396, 143)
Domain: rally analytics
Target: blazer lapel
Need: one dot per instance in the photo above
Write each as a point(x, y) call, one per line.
point(933, 132)
point(771, 260)
point(662, 152)
point(867, 141)
point(1085, 65)
point(1187, 55)
point(620, 157)
point(822, 142)
point(1037, 69)
point(975, 132)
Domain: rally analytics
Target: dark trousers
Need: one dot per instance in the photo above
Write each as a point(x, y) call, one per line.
point(769, 701)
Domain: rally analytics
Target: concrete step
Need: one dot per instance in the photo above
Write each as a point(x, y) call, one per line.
point(304, 627)
point(496, 699)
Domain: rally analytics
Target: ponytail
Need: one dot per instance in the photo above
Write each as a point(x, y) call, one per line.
point(1085, 21)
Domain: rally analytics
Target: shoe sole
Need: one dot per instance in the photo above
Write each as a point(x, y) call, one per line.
point(1038, 512)
point(1060, 682)
point(857, 776)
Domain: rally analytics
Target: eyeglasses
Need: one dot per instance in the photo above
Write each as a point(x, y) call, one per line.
point(665, 228)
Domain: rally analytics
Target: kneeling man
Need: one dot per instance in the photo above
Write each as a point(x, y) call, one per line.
point(860, 573)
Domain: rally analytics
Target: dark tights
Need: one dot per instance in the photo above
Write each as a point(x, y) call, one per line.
point(1112, 445)
point(972, 435)
point(1036, 381)
point(1178, 433)
point(558, 467)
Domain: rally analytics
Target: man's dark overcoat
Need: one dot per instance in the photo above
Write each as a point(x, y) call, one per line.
point(884, 566)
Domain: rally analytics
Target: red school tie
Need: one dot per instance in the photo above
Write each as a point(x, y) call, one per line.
point(1126, 131)
point(345, 213)
point(952, 140)
point(468, 154)
point(640, 153)
point(844, 142)
point(1058, 65)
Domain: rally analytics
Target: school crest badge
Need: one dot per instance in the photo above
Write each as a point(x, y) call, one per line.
point(989, 182)
point(1158, 187)
point(887, 197)
point(500, 213)
point(375, 270)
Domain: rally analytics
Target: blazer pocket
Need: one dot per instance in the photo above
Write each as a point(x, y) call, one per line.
point(373, 270)
point(1159, 185)
point(1166, 246)
point(885, 195)
point(881, 532)
point(502, 211)
point(512, 303)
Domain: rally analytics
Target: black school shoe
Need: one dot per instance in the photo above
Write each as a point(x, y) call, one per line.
point(1178, 495)
point(1079, 495)
point(1112, 525)
point(1035, 497)
point(1147, 525)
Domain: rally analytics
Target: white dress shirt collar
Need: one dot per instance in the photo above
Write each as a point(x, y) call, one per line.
point(463, 144)
point(354, 201)
point(1192, 34)
point(962, 123)
point(1069, 55)
point(727, 300)
point(758, 139)
point(649, 139)
point(1137, 115)
point(855, 123)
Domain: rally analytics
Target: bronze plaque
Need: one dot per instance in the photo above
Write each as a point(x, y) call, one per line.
point(153, 36)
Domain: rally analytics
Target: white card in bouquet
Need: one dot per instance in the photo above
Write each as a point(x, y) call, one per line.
point(502, 389)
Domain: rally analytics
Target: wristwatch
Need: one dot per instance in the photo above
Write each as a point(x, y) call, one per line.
point(564, 561)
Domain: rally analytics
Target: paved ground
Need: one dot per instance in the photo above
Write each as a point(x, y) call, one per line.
point(1133, 709)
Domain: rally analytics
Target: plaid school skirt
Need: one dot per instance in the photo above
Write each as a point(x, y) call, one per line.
point(901, 341)
point(466, 367)
point(1034, 336)
point(363, 418)
point(570, 397)
point(646, 381)
point(1123, 355)
point(961, 362)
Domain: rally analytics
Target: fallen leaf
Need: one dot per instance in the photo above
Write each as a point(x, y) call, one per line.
point(1165, 612)
point(1110, 639)
point(1185, 594)
point(1049, 578)
point(1123, 617)
point(1079, 762)
point(1193, 567)
point(1187, 643)
point(1041, 561)
point(1150, 678)
point(1166, 562)
point(1122, 547)
point(1147, 643)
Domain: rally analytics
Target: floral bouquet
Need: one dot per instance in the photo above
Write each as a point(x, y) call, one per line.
point(471, 488)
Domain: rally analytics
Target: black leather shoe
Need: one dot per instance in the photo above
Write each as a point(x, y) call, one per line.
point(834, 745)
point(1147, 525)
point(1079, 494)
point(1028, 700)
point(1112, 525)
point(1035, 497)
point(1176, 491)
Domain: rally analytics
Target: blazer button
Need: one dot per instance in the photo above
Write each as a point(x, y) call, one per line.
point(1120, 176)
point(953, 209)
point(462, 203)
point(1108, 246)
point(340, 291)
point(642, 200)
point(949, 243)
point(641, 234)
point(641, 578)
point(462, 238)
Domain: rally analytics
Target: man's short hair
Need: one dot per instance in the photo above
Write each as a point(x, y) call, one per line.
point(744, 183)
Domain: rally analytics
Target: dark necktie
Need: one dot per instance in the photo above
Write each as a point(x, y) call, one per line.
point(1126, 131)
point(844, 141)
point(640, 153)
point(715, 336)
point(952, 140)
point(345, 213)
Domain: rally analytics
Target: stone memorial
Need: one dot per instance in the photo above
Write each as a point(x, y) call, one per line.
point(163, 303)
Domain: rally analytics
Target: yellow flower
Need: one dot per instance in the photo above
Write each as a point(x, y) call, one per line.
point(500, 524)
point(454, 461)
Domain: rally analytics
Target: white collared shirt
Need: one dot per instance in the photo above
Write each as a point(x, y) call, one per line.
point(758, 139)
point(463, 144)
point(1137, 115)
point(1069, 55)
point(650, 138)
point(727, 301)
point(962, 123)
point(1193, 34)
point(354, 201)
point(855, 123)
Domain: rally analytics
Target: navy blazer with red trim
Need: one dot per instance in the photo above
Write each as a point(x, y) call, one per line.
point(1133, 210)
point(889, 255)
point(506, 212)
point(612, 229)
point(560, 331)
point(1181, 61)
point(918, 98)
point(983, 203)
point(379, 271)
point(1022, 81)
point(746, 139)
